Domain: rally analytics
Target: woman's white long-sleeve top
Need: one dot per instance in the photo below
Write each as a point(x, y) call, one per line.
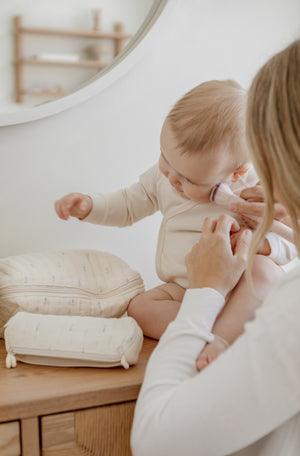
point(246, 403)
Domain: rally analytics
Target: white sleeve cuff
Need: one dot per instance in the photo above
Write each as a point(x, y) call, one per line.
point(201, 306)
point(282, 250)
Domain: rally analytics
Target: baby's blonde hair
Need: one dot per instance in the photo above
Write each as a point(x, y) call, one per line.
point(209, 115)
point(273, 133)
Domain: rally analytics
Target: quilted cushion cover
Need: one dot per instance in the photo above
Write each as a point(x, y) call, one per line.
point(68, 282)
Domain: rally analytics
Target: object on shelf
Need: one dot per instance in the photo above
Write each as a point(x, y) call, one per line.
point(99, 51)
point(55, 91)
point(96, 18)
point(57, 57)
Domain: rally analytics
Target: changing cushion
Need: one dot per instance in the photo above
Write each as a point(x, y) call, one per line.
point(68, 282)
point(60, 340)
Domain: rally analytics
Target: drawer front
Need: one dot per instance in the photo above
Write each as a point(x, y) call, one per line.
point(97, 431)
point(10, 439)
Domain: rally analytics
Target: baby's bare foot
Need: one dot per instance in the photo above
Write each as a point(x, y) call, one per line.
point(210, 352)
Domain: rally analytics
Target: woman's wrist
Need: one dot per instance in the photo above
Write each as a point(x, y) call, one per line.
point(200, 284)
point(201, 303)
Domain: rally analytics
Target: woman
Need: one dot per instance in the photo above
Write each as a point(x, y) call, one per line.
point(247, 402)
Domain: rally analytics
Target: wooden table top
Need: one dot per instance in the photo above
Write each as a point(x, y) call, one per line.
point(29, 390)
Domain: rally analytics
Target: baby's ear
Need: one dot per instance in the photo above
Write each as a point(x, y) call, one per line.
point(239, 172)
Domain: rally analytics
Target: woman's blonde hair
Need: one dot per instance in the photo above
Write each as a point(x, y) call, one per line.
point(209, 115)
point(273, 134)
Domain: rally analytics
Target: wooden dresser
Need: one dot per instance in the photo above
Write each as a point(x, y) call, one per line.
point(57, 411)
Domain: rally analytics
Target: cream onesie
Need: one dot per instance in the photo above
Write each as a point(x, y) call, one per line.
point(182, 219)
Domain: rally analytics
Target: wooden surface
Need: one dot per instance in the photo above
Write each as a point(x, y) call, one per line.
point(116, 35)
point(80, 63)
point(30, 436)
point(96, 431)
point(29, 390)
point(18, 66)
point(10, 439)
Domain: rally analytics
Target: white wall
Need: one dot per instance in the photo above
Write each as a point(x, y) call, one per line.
point(60, 14)
point(107, 141)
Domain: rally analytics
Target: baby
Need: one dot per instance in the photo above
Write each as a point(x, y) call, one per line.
point(202, 143)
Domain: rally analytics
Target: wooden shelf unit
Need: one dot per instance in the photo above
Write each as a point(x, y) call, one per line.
point(81, 63)
point(68, 411)
point(117, 35)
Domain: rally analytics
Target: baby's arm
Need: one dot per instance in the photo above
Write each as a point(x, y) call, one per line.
point(120, 208)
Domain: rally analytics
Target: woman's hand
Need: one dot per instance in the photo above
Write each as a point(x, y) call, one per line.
point(254, 205)
point(212, 262)
point(264, 247)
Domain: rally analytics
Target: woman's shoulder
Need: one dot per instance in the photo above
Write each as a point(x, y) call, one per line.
point(286, 292)
point(292, 275)
point(277, 320)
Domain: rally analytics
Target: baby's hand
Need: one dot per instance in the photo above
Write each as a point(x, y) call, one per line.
point(263, 249)
point(74, 205)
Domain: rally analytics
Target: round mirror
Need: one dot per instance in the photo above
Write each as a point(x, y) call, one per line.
point(51, 48)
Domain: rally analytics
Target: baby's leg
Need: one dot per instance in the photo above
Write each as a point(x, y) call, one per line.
point(240, 308)
point(155, 309)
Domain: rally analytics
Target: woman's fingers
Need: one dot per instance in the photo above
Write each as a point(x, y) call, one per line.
point(256, 209)
point(208, 225)
point(254, 204)
point(242, 246)
point(227, 224)
point(280, 212)
point(211, 262)
point(248, 209)
point(254, 194)
point(252, 223)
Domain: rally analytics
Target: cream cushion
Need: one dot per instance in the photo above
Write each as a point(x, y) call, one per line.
point(69, 282)
point(60, 340)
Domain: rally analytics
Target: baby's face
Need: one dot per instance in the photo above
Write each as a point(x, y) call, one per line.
point(193, 175)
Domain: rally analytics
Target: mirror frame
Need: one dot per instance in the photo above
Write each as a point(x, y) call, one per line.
point(131, 54)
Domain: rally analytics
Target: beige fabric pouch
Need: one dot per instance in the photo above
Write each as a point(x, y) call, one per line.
point(70, 282)
point(60, 340)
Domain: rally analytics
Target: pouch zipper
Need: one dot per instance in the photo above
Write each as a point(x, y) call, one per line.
point(58, 354)
point(16, 290)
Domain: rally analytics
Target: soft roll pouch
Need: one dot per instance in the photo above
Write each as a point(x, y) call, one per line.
point(70, 282)
point(60, 340)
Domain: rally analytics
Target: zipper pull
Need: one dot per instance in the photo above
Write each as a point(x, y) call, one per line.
point(11, 360)
point(124, 362)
